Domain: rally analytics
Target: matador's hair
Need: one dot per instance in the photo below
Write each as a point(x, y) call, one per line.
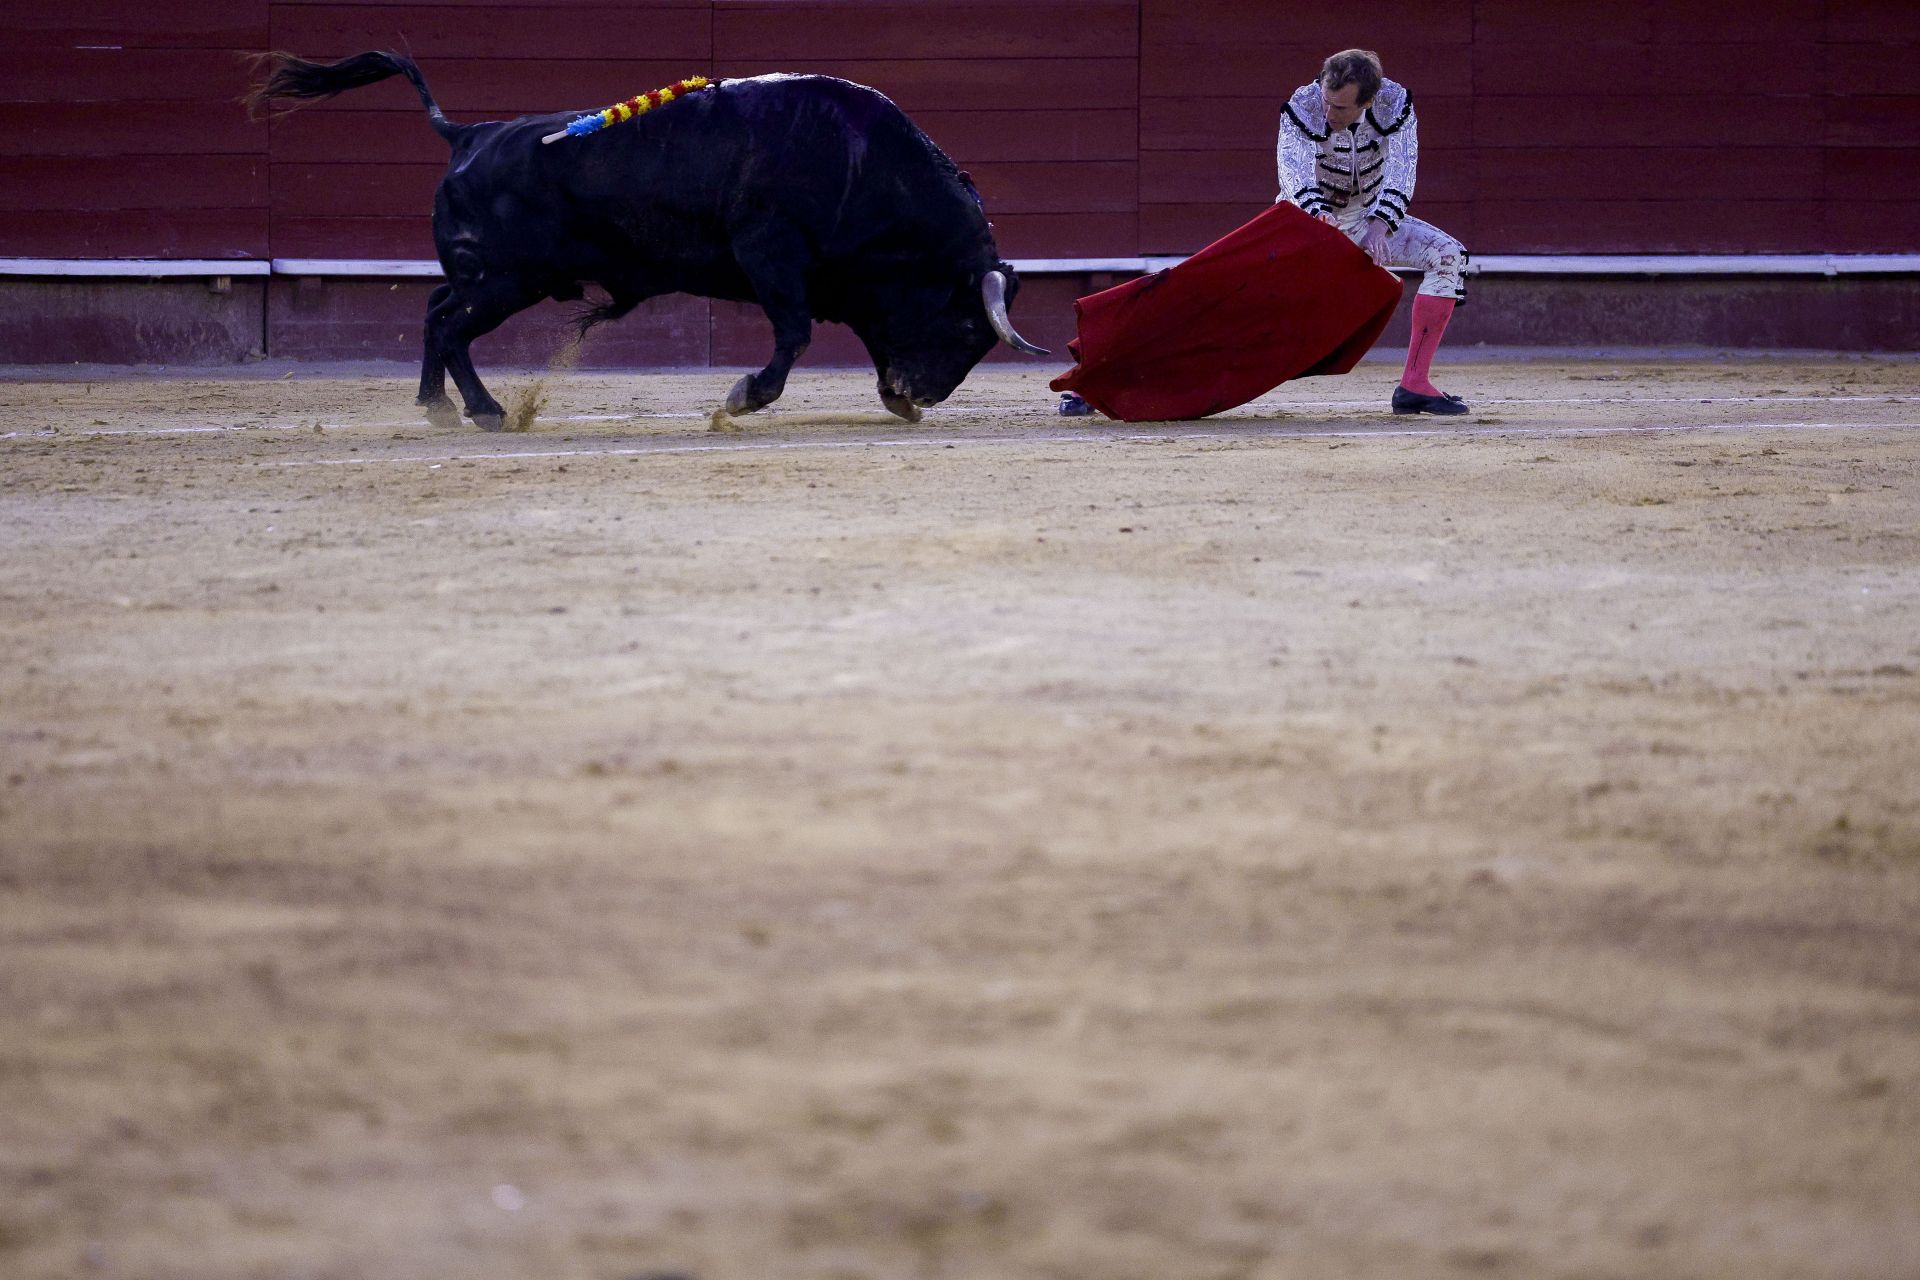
point(1356, 67)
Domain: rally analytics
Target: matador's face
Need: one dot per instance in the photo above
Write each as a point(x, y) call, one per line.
point(1343, 104)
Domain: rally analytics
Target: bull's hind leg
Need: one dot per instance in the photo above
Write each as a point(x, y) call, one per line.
point(774, 257)
point(452, 327)
point(433, 369)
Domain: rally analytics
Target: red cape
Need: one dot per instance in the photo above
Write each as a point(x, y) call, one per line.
point(1285, 296)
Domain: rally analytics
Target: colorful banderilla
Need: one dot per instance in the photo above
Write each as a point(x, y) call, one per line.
point(627, 110)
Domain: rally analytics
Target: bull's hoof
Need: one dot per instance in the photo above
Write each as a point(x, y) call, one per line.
point(899, 406)
point(745, 398)
point(441, 413)
point(496, 421)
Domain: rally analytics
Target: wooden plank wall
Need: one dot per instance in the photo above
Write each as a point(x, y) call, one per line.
point(354, 177)
point(1036, 100)
point(119, 133)
point(1214, 75)
point(1094, 127)
point(1596, 126)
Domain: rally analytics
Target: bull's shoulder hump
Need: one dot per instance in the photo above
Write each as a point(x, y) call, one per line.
point(778, 83)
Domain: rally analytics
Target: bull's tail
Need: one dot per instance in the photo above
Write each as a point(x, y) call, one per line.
point(297, 79)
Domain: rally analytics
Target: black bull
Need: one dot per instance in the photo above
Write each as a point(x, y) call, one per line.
point(814, 197)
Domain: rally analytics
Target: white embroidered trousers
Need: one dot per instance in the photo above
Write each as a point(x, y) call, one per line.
point(1417, 246)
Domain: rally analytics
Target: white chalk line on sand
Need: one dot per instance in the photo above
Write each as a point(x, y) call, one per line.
point(303, 426)
point(1098, 436)
point(1887, 399)
point(773, 419)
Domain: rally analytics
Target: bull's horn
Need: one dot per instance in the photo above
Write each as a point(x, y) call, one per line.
point(993, 291)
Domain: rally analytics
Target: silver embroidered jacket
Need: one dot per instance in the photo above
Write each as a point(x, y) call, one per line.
point(1370, 164)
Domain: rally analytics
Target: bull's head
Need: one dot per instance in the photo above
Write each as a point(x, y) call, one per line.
point(926, 343)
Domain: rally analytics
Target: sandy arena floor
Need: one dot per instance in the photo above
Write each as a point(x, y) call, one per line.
point(1305, 843)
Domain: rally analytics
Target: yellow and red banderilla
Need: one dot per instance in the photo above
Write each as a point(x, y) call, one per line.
point(635, 106)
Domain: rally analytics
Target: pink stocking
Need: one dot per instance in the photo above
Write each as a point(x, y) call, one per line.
point(1430, 316)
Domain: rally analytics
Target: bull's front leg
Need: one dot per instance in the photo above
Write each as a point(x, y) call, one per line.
point(774, 258)
point(758, 390)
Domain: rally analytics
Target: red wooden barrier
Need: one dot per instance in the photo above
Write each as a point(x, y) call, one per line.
point(1094, 127)
point(120, 134)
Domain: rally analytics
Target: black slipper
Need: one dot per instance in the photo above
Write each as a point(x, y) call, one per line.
point(1405, 401)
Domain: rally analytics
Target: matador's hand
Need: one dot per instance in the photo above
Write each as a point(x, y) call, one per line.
point(1374, 241)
